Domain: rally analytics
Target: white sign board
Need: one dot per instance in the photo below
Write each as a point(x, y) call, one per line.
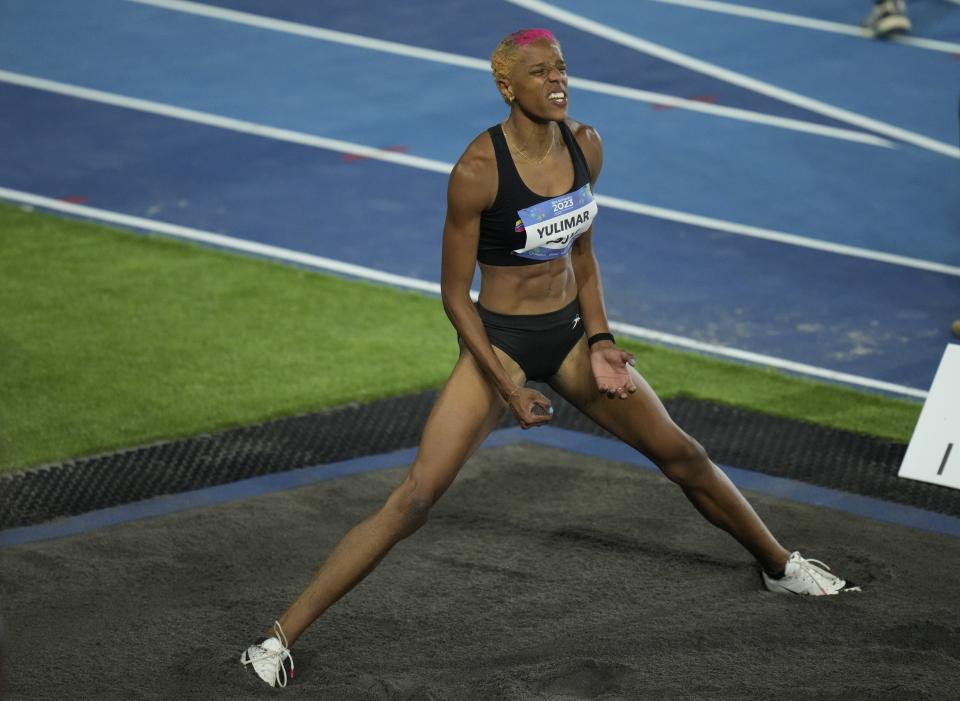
point(934, 451)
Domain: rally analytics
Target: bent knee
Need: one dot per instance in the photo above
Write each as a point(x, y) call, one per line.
point(685, 463)
point(409, 505)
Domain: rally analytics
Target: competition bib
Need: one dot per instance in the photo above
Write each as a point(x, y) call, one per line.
point(552, 226)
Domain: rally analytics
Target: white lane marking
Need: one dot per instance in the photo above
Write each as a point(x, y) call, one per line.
point(435, 166)
point(730, 112)
point(220, 240)
point(760, 359)
point(778, 236)
point(314, 32)
point(609, 33)
point(321, 263)
point(416, 52)
point(221, 122)
point(811, 23)
point(768, 16)
point(923, 43)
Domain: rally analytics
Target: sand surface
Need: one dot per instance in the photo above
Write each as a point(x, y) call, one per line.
point(542, 574)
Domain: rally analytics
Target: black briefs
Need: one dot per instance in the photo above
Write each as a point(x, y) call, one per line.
point(537, 342)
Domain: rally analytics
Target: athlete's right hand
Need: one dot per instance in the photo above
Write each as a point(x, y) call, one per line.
point(530, 407)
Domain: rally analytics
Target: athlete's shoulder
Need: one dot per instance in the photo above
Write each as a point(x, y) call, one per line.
point(585, 134)
point(589, 141)
point(478, 157)
point(475, 172)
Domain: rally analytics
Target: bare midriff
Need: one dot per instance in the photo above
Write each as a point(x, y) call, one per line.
point(528, 289)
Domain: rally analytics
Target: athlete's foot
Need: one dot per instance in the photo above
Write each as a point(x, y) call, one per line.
point(887, 18)
point(270, 659)
point(808, 577)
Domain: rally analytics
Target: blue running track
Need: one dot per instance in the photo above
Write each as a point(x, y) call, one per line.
point(874, 176)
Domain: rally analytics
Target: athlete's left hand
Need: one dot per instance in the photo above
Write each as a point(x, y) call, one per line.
point(610, 370)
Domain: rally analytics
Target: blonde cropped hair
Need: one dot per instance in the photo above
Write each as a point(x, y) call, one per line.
point(505, 55)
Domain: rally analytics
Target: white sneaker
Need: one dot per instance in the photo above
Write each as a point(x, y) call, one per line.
point(811, 577)
point(886, 18)
point(270, 658)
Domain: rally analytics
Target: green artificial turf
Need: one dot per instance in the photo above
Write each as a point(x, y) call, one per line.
point(673, 373)
point(110, 339)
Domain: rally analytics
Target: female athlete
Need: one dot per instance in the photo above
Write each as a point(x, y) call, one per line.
point(520, 203)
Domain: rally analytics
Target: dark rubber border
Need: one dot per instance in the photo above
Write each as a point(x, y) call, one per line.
point(803, 452)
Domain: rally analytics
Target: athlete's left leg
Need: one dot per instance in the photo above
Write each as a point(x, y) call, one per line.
point(642, 422)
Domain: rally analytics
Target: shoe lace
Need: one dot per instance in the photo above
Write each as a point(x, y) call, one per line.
point(817, 571)
point(276, 656)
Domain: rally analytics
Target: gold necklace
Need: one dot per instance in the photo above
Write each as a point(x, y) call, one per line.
point(503, 127)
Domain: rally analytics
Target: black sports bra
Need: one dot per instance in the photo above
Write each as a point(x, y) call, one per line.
point(524, 228)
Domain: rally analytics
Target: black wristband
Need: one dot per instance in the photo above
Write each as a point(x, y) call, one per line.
point(597, 337)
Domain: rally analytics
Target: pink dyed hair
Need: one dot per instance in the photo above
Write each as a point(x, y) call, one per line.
point(528, 36)
point(505, 54)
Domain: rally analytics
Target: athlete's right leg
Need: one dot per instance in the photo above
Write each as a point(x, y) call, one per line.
point(466, 411)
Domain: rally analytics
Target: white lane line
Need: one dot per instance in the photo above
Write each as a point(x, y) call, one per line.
point(778, 236)
point(220, 240)
point(810, 23)
point(398, 49)
point(634, 42)
point(443, 167)
point(760, 359)
point(730, 112)
point(215, 120)
point(314, 32)
point(923, 43)
point(768, 16)
point(328, 264)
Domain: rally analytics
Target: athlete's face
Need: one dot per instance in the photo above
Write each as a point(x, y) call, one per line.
point(538, 81)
